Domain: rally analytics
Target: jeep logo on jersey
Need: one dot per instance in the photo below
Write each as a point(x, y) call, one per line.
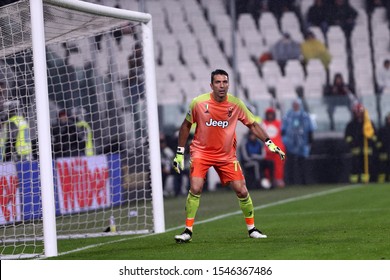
point(214, 123)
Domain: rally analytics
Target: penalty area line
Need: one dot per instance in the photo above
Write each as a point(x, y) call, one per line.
point(219, 217)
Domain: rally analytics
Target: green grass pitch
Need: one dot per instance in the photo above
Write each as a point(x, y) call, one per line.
point(334, 222)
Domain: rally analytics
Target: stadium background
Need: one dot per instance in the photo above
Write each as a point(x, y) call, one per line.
point(193, 37)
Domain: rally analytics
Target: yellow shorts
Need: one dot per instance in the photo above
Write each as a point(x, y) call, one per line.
point(227, 170)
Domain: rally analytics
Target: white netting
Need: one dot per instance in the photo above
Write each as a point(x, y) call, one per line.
point(99, 127)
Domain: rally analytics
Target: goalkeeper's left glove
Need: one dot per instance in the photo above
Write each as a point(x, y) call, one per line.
point(178, 161)
point(273, 148)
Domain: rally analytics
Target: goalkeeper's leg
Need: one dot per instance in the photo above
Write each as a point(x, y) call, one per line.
point(247, 209)
point(192, 205)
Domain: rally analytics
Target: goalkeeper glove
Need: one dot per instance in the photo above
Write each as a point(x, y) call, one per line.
point(178, 161)
point(273, 148)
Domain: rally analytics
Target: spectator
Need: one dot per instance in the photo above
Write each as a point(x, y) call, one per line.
point(338, 93)
point(312, 48)
point(344, 15)
point(297, 132)
point(372, 4)
point(7, 83)
point(167, 156)
point(284, 50)
point(134, 86)
point(383, 146)
point(278, 7)
point(3, 96)
point(17, 141)
point(273, 127)
point(86, 145)
point(252, 153)
point(355, 135)
point(135, 83)
point(383, 77)
point(67, 139)
point(318, 15)
point(254, 7)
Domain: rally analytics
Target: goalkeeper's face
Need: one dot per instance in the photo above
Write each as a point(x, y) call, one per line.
point(220, 87)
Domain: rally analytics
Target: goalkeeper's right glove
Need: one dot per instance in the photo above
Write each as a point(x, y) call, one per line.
point(178, 161)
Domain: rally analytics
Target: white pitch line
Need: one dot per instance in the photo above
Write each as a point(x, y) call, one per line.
point(280, 202)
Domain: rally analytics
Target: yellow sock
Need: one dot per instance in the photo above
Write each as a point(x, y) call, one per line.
point(246, 206)
point(192, 205)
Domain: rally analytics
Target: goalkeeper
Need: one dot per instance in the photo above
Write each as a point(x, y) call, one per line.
point(214, 145)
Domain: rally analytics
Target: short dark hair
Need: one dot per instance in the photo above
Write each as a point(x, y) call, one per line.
point(218, 72)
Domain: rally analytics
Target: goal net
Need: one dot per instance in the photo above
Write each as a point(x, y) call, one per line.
point(103, 126)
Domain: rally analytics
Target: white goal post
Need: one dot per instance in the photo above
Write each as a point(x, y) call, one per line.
point(79, 136)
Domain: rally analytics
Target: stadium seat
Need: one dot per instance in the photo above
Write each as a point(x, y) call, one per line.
point(318, 33)
point(378, 16)
point(315, 67)
point(250, 35)
point(200, 27)
point(289, 23)
point(171, 93)
point(254, 43)
point(338, 50)
point(362, 18)
point(200, 71)
point(191, 7)
point(189, 47)
point(256, 89)
point(246, 22)
point(181, 74)
point(364, 81)
point(211, 52)
point(358, 4)
point(381, 32)
point(360, 33)
point(289, 19)
point(304, 7)
point(385, 105)
point(271, 37)
point(381, 50)
point(266, 21)
point(269, 28)
point(223, 32)
point(313, 87)
point(213, 9)
point(361, 49)
point(285, 89)
point(242, 54)
point(251, 80)
point(335, 35)
point(271, 73)
point(295, 72)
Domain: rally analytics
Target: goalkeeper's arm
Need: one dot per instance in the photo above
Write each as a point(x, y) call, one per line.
point(263, 136)
point(184, 132)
